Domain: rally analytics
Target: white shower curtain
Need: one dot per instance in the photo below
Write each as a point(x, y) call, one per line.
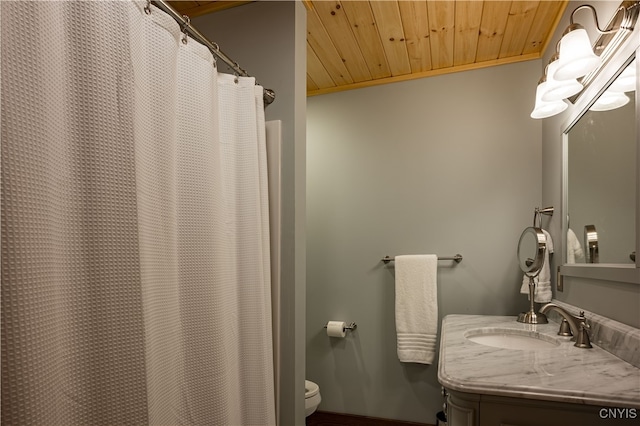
point(135, 244)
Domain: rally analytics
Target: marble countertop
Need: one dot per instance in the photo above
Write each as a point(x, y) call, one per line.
point(563, 373)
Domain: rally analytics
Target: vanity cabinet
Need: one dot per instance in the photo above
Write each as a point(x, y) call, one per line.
point(557, 386)
point(465, 409)
point(462, 409)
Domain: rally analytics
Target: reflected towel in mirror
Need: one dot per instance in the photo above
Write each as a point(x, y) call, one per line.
point(574, 248)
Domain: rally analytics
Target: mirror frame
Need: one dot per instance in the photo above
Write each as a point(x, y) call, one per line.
point(627, 273)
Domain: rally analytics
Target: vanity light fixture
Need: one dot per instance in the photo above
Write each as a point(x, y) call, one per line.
point(614, 97)
point(626, 82)
point(576, 59)
point(576, 54)
point(609, 100)
point(544, 109)
point(558, 89)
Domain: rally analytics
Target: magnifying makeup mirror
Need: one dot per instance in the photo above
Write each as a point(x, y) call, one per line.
point(531, 248)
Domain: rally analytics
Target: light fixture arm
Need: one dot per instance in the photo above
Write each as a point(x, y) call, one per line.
point(595, 17)
point(628, 20)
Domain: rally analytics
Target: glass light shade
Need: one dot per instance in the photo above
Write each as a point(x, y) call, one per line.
point(544, 109)
point(576, 55)
point(556, 90)
point(610, 100)
point(626, 82)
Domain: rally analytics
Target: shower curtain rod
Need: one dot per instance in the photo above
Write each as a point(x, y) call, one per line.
point(268, 95)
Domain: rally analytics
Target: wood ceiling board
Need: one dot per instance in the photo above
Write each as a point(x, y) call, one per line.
point(415, 21)
point(316, 71)
point(337, 25)
point(547, 17)
point(188, 4)
point(199, 8)
point(494, 21)
point(323, 47)
point(311, 85)
point(468, 18)
point(366, 33)
point(389, 23)
point(518, 26)
point(441, 27)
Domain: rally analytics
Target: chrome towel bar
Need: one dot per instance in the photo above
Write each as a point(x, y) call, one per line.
point(457, 258)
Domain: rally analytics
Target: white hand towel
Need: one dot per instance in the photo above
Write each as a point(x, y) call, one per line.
point(543, 292)
point(416, 307)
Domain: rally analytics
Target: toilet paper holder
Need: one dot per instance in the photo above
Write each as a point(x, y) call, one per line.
point(348, 327)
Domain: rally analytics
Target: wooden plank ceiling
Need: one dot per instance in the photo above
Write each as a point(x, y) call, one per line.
point(354, 44)
point(199, 8)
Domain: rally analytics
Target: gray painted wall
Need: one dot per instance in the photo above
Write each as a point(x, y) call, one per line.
point(445, 165)
point(268, 39)
point(618, 301)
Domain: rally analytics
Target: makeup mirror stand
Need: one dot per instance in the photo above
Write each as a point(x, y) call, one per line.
point(531, 317)
point(531, 249)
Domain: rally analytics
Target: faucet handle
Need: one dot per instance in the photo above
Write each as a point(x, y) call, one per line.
point(582, 339)
point(582, 321)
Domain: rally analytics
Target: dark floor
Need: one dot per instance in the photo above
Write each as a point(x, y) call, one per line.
point(320, 418)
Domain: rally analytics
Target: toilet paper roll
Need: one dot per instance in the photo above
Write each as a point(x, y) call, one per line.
point(336, 329)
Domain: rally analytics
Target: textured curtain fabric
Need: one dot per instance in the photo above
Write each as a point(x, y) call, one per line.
point(135, 245)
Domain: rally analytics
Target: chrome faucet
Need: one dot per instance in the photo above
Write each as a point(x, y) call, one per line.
point(578, 325)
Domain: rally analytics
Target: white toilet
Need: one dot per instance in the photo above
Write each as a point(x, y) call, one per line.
point(311, 397)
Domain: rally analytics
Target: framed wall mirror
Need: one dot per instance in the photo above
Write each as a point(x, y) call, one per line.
point(601, 177)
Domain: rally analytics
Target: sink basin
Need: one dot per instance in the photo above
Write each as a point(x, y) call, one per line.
point(511, 338)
